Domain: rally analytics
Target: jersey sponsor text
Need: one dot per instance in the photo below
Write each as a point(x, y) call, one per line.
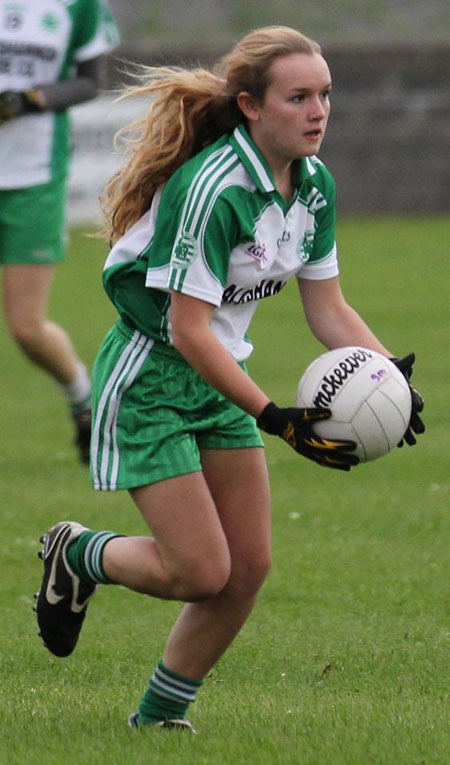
point(265, 288)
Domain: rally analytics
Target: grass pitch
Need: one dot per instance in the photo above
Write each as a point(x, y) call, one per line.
point(345, 658)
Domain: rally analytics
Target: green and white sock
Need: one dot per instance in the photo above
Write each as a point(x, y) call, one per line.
point(78, 392)
point(85, 555)
point(168, 695)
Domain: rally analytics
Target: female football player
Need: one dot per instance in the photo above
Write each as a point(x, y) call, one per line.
point(50, 60)
point(222, 201)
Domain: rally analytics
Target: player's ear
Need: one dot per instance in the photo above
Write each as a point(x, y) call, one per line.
point(248, 106)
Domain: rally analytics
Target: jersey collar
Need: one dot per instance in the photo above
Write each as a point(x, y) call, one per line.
point(257, 166)
point(252, 159)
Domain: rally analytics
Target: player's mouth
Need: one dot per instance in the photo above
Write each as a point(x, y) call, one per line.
point(313, 135)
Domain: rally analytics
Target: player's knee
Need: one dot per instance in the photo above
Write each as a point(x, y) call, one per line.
point(25, 333)
point(248, 577)
point(202, 579)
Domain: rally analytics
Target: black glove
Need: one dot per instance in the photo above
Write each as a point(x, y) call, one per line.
point(15, 103)
point(295, 426)
point(415, 425)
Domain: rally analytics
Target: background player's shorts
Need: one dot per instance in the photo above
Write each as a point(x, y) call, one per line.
point(32, 224)
point(152, 414)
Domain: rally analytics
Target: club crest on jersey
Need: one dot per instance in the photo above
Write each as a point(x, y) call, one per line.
point(305, 246)
point(257, 251)
point(185, 250)
point(50, 22)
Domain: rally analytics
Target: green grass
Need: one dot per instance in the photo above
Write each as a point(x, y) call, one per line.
point(345, 658)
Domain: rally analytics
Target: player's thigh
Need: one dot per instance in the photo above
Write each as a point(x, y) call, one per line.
point(239, 484)
point(183, 519)
point(32, 224)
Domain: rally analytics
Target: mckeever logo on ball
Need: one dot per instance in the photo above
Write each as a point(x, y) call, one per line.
point(334, 380)
point(185, 250)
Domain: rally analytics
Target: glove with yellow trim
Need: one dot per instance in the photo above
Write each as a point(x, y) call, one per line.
point(295, 426)
point(405, 365)
point(15, 103)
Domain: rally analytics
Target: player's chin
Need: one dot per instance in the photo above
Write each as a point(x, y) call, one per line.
point(311, 146)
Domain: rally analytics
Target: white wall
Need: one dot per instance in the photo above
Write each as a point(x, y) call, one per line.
point(94, 160)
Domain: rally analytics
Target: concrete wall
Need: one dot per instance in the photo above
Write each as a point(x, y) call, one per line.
point(388, 140)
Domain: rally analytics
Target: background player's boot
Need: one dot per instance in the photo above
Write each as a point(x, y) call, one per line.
point(82, 421)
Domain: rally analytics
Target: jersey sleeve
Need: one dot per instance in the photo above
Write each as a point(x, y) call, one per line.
point(192, 243)
point(95, 31)
point(201, 254)
point(322, 261)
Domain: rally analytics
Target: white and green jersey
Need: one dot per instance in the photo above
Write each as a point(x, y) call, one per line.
point(220, 232)
point(40, 42)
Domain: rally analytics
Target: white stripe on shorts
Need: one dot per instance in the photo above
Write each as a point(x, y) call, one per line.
point(105, 425)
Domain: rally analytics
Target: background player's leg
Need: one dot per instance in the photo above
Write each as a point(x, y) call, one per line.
point(26, 290)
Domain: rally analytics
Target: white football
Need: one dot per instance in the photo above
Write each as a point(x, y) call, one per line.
point(368, 396)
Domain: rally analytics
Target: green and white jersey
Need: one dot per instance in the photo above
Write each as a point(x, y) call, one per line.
point(220, 232)
point(40, 42)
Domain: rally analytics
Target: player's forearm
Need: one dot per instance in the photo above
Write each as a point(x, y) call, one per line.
point(54, 96)
point(60, 95)
point(212, 361)
point(83, 87)
point(347, 328)
point(193, 337)
point(332, 320)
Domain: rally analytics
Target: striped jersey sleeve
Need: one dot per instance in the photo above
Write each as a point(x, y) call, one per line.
point(200, 247)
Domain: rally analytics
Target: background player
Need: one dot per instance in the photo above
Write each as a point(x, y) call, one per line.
point(49, 60)
point(222, 201)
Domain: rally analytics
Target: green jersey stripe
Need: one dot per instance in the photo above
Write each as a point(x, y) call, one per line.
point(200, 186)
point(217, 185)
point(104, 439)
point(226, 182)
point(221, 173)
point(210, 160)
point(264, 177)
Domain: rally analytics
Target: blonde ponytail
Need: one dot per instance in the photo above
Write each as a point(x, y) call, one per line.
point(189, 109)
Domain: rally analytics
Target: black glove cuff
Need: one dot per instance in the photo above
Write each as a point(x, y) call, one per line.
point(269, 419)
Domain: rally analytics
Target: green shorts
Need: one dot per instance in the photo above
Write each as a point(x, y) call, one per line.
point(32, 224)
point(153, 414)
